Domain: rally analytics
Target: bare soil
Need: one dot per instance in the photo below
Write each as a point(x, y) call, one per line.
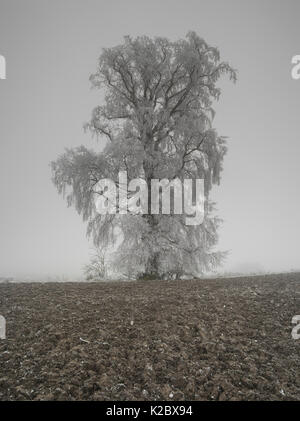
point(222, 339)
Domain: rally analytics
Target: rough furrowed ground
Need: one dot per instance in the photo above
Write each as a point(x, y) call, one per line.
point(224, 339)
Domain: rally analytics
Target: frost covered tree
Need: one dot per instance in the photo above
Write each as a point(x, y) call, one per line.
point(156, 119)
point(96, 269)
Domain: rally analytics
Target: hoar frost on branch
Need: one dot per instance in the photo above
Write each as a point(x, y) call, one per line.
point(156, 118)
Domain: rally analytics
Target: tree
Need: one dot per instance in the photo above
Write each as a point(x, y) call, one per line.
point(96, 269)
point(156, 118)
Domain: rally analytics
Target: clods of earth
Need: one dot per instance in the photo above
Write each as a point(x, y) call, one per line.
point(215, 339)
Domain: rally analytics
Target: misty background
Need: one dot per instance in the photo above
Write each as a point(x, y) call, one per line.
point(52, 47)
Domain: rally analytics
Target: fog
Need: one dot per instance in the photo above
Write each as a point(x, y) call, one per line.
point(51, 48)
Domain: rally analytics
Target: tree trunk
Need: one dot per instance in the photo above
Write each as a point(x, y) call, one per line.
point(151, 269)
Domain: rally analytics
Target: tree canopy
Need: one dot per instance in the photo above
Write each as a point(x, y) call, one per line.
point(156, 117)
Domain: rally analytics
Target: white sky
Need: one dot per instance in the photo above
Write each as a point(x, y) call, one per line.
point(51, 48)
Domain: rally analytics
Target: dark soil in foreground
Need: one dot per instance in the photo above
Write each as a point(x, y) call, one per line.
point(225, 339)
